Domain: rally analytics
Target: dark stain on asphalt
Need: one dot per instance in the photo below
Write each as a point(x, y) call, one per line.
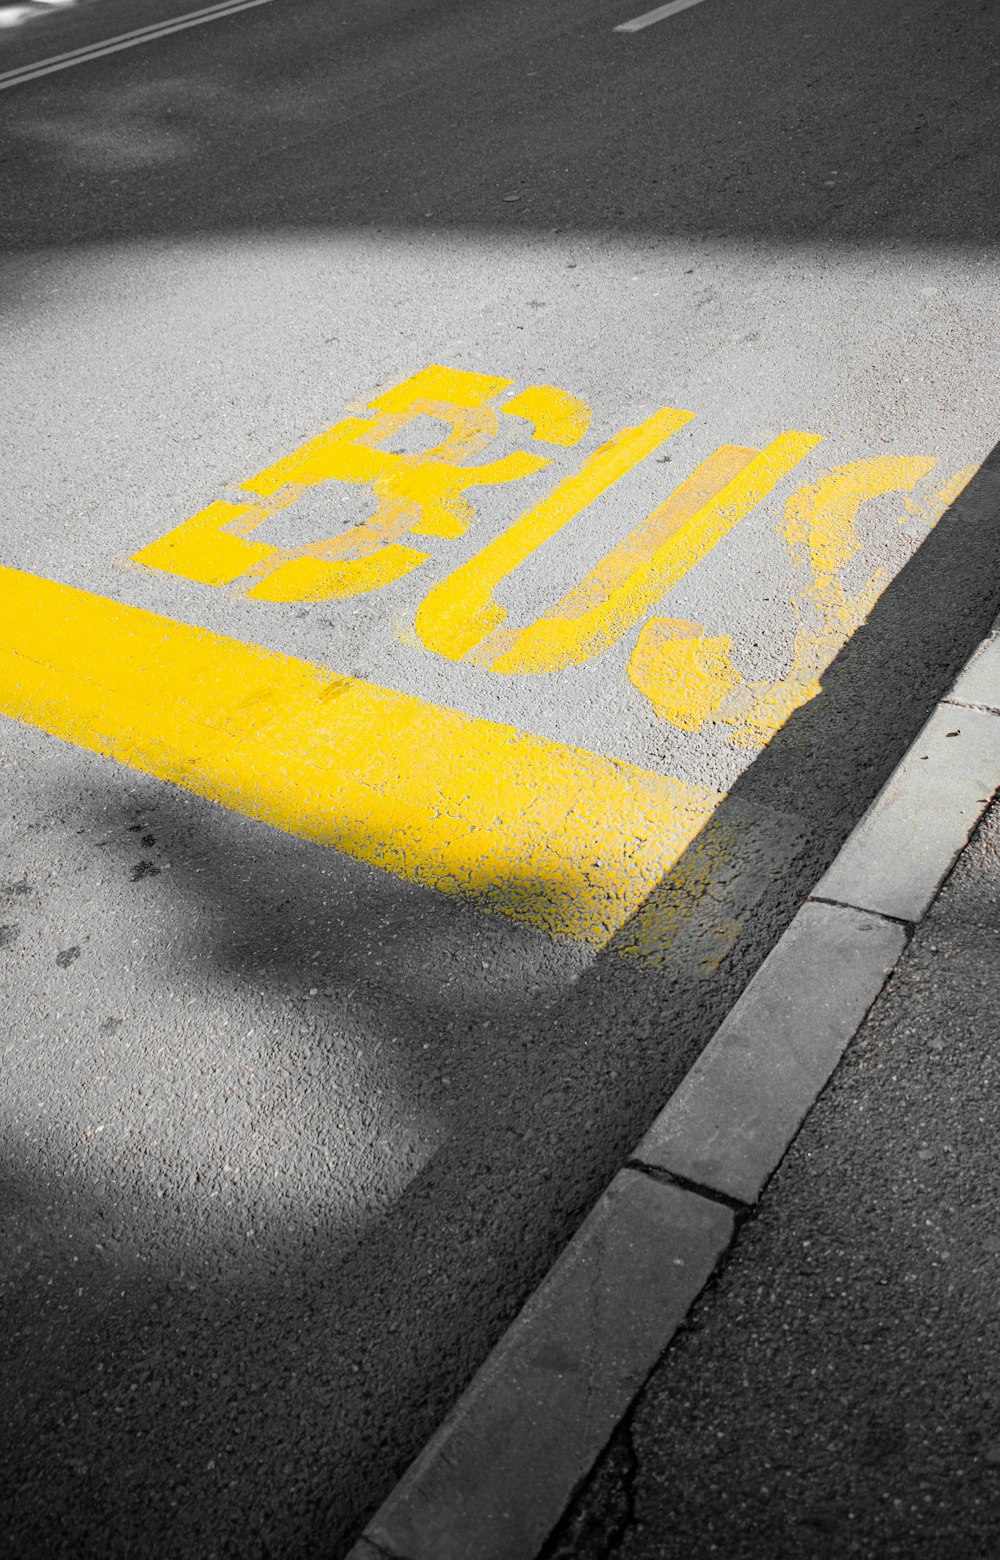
point(144, 869)
point(68, 956)
point(9, 935)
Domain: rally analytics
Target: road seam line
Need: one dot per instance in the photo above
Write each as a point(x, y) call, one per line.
point(364, 1549)
point(842, 904)
point(499, 1473)
point(129, 40)
point(671, 1178)
point(973, 704)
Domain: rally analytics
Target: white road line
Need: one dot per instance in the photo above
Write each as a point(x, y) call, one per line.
point(129, 40)
point(659, 15)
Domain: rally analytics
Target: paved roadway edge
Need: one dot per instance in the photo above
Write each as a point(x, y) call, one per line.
point(498, 1474)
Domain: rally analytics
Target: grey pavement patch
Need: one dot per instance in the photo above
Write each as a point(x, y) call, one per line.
point(496, 1477)
point(839, 1361)
point(729, 1123)
point(979, 681)
point(896, 859)
point(155, 281)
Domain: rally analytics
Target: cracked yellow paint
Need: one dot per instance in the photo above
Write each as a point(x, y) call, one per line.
point(558, 837)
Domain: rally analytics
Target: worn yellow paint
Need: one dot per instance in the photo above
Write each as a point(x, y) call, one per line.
point(821, 520)
point(685, 675)
point(820, 529)
point(423, 493)
point(615, 594)
point(929, 513)
point(822, 537)
point(684, 924)
point(557, 416)
point(679, 534)
point(460, 611)
point(554, 836)
point(457, 386)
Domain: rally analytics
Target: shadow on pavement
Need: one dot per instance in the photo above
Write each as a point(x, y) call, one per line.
point(275, 1399)
point(155, 1402)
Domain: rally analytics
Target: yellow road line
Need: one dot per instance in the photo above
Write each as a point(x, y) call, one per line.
point(555, 836)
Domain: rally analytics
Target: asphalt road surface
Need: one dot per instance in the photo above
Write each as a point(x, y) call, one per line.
point(836, 1393)
point(384, 837)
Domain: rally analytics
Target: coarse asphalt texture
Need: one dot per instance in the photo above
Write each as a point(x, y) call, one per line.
point(836, 1390)
point(287, 1143)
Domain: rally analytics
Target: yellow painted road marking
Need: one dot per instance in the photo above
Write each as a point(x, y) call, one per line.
point(426, 495)
point(660, 14)
point(420, 494)
point(691, 679)
point(457, 614)
point(679, 534)
point(557, 416)
point(558, 837)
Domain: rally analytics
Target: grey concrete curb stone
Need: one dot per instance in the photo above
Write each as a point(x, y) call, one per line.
point(979, 683)
point(729, 1123)
point(900, 853)
point(496, 1477)
point(363, 1550)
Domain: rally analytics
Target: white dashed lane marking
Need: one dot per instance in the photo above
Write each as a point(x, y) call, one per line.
point(129, 40)
point(659, 15)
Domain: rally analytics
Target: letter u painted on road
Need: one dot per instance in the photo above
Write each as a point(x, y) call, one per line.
point(460, 617)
